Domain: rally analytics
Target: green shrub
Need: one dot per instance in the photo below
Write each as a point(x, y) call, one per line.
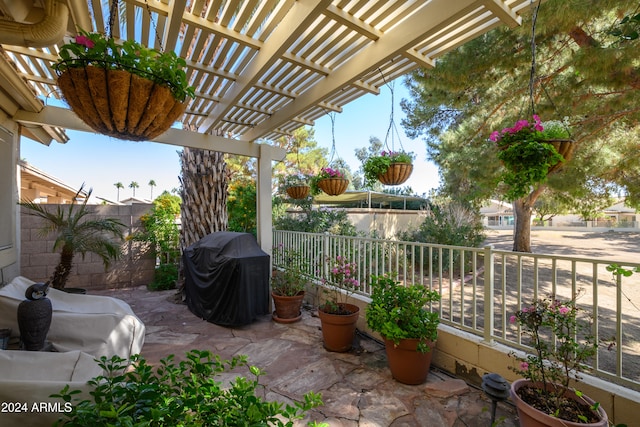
point(450, 224)
point(183, 394)
point(164, 277)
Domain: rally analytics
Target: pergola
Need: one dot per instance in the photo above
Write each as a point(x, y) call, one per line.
point(260, 69)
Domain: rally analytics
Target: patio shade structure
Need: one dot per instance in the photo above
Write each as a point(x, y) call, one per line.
point(261, 69)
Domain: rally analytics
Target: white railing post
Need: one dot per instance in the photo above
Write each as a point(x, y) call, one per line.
point(488, 295)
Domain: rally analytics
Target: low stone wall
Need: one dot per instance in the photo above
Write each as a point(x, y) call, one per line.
point(135, 268)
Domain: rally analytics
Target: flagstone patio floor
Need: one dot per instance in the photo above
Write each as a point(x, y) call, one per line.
point(357, 387)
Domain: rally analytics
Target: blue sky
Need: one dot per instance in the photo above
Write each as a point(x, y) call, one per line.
point(100, 161)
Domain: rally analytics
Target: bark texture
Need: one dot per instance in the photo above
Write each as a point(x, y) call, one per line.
point(204, 179)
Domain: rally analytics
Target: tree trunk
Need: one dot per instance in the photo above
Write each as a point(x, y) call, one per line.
point(523, 209)
point(522, 226)
point(63, 269)
point(204, 182)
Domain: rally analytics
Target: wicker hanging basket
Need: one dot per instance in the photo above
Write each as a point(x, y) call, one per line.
point(333, 186)
point(298, 191)
point(118, 103)
point(397, 174)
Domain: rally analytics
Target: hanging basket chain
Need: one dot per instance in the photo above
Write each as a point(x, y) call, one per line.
point(155, 27)
point(532, 76)
point(392, 124)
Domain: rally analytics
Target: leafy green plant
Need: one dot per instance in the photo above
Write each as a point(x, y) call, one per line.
point(562, 347)
point(162, 233)
point(164, 68)
point(527, 154)
point(341, 283)
point(289, 278)
point(75, 232)
point(134, 393)
point(378, 165)
point(399, 312)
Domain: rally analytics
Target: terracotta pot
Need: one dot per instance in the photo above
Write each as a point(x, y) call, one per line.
point(397, 174)
point(406, 363)
point(333, 186)
point(531, 417)
point(287, 309)
point(339, 330)
point(298, 191)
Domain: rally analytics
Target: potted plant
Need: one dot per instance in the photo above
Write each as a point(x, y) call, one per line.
point(562, 346)
point(296, 186)
point(409, 328)
point(288, 283)
point(338, 318)
point(126, 90)
point(530, 151)
point(329, 180)
point(390, 167)
point(75, 233)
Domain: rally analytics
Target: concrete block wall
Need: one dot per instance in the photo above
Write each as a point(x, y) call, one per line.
point(134, 268)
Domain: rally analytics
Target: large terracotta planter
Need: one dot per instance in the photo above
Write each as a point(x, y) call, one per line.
point(531, 417)
point(287, 308)
point(120, 104)
point(339, 330)
point(406, 363)
point(397, 174)
point(298, 191)
point(333, 186)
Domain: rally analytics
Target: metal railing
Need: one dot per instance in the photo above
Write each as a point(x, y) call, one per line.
point(481, 288)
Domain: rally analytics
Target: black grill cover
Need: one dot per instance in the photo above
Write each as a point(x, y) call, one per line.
point(227, 278)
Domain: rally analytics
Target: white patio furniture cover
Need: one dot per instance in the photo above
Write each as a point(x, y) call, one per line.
point(97, 325)
point(28, 378)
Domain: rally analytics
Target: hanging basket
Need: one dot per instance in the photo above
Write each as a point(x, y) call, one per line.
point(118, 103)
point(298, 191)
point(397, 174)
point(333, 186)
point(565, 148)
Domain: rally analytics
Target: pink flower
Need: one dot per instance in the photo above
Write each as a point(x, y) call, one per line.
point(495, 135)
point(512, 319)
point(563, 310)
point(524, 366)
point(85, 41)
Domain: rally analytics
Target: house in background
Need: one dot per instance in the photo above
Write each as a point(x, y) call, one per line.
point(497, 213)
point(40, 187)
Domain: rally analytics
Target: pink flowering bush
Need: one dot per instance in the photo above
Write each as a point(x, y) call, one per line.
point(562, 347)
point(342, 282)
point(526, 153)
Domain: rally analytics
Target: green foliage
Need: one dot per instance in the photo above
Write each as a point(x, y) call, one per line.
point(584, 76)
point(75, 233)
point(164, 68)
point(340, 284)
point(398, 312)
point(307, 219)
point(241, 206)
point(165, 277)
point(448, 223)
point(562, 347)
point(290, 275)
point(134, 393)
point(527, 154)
point(377, 165)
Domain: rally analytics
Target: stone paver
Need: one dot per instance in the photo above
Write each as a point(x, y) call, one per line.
point(357, 387)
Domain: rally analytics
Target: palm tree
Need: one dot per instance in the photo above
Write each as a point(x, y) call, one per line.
point(74, 233)
point(152, 184)
point(118, 186)
point(133, 186)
